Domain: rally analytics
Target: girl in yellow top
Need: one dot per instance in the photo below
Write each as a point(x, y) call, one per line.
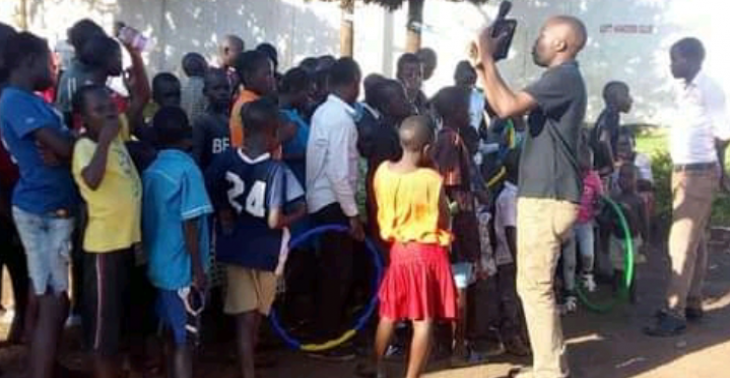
point(111, 187)
point(413, 218)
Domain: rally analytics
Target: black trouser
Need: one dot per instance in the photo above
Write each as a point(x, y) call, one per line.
point(494, 305)
point(13, 257)
point(336, 260)
point(512, 319)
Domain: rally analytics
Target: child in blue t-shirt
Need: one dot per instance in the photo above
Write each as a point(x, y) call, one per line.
point(175, 211)
point(250, 191)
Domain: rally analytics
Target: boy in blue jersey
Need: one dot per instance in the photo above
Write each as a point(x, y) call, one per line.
point(175, 209)
point(250, 191)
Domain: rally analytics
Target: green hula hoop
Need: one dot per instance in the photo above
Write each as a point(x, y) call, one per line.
point(628, 266)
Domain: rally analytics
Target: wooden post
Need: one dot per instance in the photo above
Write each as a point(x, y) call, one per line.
point(23, 14)
point(347, 29)
point(414, 26)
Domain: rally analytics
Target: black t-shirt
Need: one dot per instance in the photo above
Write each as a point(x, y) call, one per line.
point(211, 136)
point(549, 165)
point(609, 121)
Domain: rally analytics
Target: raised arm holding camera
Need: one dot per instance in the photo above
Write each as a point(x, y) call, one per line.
point(550, 182)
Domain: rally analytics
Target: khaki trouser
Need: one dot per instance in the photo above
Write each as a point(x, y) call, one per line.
point(542, 227)
point(691, 208)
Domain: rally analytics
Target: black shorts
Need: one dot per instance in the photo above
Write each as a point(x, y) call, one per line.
point(106, 281)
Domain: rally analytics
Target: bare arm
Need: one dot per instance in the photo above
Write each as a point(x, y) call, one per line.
point(190, 228)
point(501, 98)
point(277, 218)
point(444, 212)
point(56, 143)
point(139, 87)
point(94, 172)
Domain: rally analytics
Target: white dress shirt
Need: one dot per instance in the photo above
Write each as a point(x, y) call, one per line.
point(332, 157)
point(701, 116)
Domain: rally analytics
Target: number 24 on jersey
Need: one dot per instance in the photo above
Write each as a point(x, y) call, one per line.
point(255, 196)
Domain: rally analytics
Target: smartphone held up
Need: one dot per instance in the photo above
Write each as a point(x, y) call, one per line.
point(503, 28)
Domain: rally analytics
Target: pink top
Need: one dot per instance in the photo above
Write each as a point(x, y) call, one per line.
point(592, 191)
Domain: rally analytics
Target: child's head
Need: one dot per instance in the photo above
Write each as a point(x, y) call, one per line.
point(28, 55)
point(410, 72)
point(217, 89)
point(102, 53)
point(230, 48)
point(325, 62)
point(270, 51)
point(261, 125)
point(166, 89)
point(172, 129)
point(452, 106)
point(369, 84)
point(416, 136)
point(194, 65)
point(256, 72)
point(627, 178)
point(465, 75)
point(6, 31)
point(297, 85)
point(81, 32)
point(617, 94)
point(390, 99)
point(93, 104)
point(309, 65)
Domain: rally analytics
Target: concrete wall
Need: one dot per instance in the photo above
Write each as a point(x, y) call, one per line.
point(629, 39)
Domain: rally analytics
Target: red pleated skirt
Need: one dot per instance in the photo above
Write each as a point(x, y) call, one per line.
point(418, 284)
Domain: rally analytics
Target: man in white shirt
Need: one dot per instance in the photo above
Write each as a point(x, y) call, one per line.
point(701, 128)
point(332, 178)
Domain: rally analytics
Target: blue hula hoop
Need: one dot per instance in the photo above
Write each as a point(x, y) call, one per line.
point(361, 321)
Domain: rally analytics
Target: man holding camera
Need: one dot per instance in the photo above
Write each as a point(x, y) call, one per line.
point(550, 184)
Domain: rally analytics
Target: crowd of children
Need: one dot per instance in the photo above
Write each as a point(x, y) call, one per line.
point(200, 186)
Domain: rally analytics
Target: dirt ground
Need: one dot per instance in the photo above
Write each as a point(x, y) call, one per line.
point(600, 346)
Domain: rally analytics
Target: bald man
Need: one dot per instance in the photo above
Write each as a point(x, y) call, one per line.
point(229, 49)
point(550, 185)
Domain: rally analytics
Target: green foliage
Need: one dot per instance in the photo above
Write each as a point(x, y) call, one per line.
point(655, 145)
point(661, 165)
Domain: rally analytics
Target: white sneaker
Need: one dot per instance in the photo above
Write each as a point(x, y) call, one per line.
point(570, 306)
point(589, 282)
point(73, 321)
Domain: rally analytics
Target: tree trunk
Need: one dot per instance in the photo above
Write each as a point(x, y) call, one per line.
point(23, 14)
point(347, 30)
point(414, 26)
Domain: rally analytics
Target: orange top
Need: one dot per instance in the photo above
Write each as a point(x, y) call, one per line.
point(409, 206)
point(236, 124)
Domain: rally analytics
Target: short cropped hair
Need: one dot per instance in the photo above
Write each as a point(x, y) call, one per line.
point(344, 72)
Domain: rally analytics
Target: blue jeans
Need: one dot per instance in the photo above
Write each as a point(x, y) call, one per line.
point(47, 242)
point(584, 239)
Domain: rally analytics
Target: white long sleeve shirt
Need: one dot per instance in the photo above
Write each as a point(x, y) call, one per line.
point(332, 157)
point(701, 116)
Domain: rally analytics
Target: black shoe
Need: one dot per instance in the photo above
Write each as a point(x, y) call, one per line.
point(694, 314)
point(334, 355)
point(666, 325)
